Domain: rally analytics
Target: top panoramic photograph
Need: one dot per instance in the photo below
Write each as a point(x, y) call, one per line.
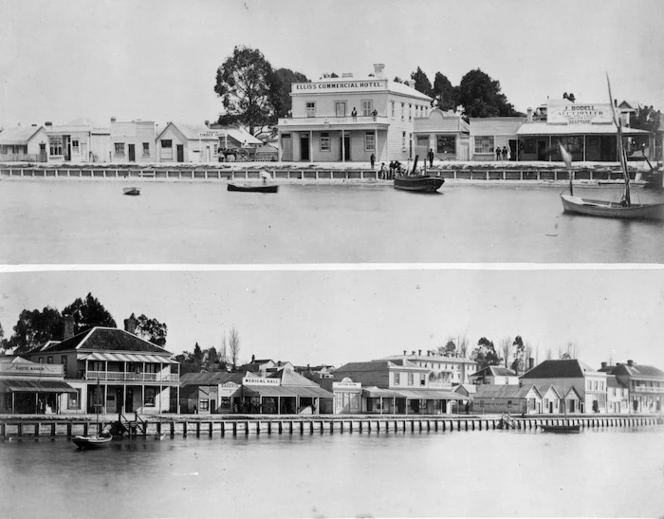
point(290, 132)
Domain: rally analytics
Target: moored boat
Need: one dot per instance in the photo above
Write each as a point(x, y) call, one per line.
point(132, 191)
point(418, 183)
point(262, 188)
point(92, 442)
point(564, 429)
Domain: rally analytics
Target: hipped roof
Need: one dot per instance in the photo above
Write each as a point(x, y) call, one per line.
point(107, 340)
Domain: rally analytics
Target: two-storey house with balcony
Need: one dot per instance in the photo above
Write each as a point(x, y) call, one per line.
point(349, 119)
point(445, 370)
point(114, 369)
point(589, 385)
point(645, 385)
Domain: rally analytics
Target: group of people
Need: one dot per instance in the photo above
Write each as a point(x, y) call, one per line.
point(389, 173)
point(502, 153)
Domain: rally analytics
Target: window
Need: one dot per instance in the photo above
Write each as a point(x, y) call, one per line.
point(403, 141)
point(311, 109)
point(119, 149)
point(340, 108)
point(484, 144)
point(367, 107)
point(75, 147)
point(410, 112)
point(150, 396)
point(63, 361)
point(146, 149)
point(49, 360)
point(205, 404)
point(55, 145)
point(369, 141)
point(325, 141)
point(74, 399)
point(167, 149)
point(393, 109)
point(397, 379)
point(590, 385)
point(41, 360)
point(411, 379)
point(596, 385)
point(446, 144)
point(403, 112)
point(509, 403)
point(423, 379)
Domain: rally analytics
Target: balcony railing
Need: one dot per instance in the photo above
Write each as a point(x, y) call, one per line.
point(331, 120)
point(120, 376)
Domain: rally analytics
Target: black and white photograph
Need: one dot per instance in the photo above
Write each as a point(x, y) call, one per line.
point(331, 259)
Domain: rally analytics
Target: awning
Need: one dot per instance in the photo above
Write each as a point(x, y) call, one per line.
point(35, 386)
point(377, 392)
point(284, 391)
point(424, 394)
point(121, 357)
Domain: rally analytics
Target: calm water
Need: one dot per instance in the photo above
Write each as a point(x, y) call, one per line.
point(91, 222)
point(606, 473)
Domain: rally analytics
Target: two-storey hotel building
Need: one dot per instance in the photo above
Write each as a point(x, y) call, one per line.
point(349, 119)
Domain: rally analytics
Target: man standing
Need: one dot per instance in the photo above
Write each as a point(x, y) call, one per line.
point(373, 160)
point(430, 157)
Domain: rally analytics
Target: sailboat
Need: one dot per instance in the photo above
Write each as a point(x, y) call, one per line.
point(623, 209)
point(98, 440)
point(418, 183)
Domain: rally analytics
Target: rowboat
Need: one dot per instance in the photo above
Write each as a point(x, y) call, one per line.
point(244, 188)
point(418, 183)
point(623, 209)
point(92, 442)
point(132, 191)
point(564, 429)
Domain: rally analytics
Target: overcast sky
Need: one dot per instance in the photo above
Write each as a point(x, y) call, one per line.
point(341, 316)
point(157, 59)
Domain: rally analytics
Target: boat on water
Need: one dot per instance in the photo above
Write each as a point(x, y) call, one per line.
point(261, 188)
point(92, 442)
point(417, 182)
point(564, 429)
point(132, 191)
point(622, 209)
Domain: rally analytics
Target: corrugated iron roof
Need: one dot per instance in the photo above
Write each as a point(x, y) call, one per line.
point(35, 386)
point(539, 128)
point(18, 135)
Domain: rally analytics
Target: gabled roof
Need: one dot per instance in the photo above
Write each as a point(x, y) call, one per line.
point(638, 370)
point(403, 89)
point(18, 134)
point(191, 132)
point(504, 391)
point(612, 381)
point(105, 339)
point(209, 379)
point(289, 377)
point(544, 388)
point(560, 368)
point(494, 371)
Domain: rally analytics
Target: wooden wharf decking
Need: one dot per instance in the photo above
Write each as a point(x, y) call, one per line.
point(218, 426)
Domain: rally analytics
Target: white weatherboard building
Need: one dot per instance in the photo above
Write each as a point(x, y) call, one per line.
point(349, 119)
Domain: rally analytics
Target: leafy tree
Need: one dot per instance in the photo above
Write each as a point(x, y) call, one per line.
point(485, 354)
point(449, 349)
point(87, 313)
point(506, 348)
point(281, 99)
point(246, 85)
point(34, 328)
point(480, 96)
point(445, 95)
point(151, 330)
point(3, 342)
point(422, 83)
point(519, 350)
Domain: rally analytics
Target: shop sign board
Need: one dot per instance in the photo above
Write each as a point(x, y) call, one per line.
point(351, 85)
point(577, 113)
point(32, 369)
point(256, 381)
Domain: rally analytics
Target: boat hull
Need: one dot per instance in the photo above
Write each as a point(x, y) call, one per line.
point(604, 209)
point(253, 189)
point(132, 191)
point(561, 429)
point(91, 442)
point(419, 183)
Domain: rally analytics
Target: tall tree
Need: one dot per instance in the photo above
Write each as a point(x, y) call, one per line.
point(519, 350)
point(281, 88)
point(245, 84)
point(87, 313)
point(480, 96)
point(151, 330)
point(444, 94)
point(234, 346)
point(422, 83)
point(485, 353)
point(34, 328)
point(506, 348)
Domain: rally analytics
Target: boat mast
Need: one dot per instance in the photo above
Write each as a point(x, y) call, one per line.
point(621, 151)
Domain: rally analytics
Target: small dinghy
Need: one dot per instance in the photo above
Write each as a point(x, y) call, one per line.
point(132, 191)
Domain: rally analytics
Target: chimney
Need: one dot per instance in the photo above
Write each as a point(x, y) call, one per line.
point(113, 119)
point(413, 353)
point(419, 353)
point(278, 363)
point(531, 363)
point(253, 358)
point(603, 365)
point(405, 353)
point(68, 331)
point(630, 363)
point(130, 324)
point(378, 70)
point(48, 124)
point(529, 114)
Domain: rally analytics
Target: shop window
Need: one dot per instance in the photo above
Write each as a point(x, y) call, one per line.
point(484, 144)
point(75, 147)
point(446, 144)
point(119, 149)
point(146, 149)
point(529, 146)
point(367, 107)
point(369, 141)
point(205, 404)
point(150, 396)
point(311, 109)
point(74, 400)
point(55, 146)
point(325, 141)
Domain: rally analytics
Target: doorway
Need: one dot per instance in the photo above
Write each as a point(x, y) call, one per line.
point(541, 150)
point(345, 146)
point(512, 145)
point(180, 152)
point(304, 146)
point(132, 152)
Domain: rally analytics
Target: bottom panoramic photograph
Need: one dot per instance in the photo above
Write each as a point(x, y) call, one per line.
point(415, 392)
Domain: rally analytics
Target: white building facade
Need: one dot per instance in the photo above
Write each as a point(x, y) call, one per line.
point(350, 119)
